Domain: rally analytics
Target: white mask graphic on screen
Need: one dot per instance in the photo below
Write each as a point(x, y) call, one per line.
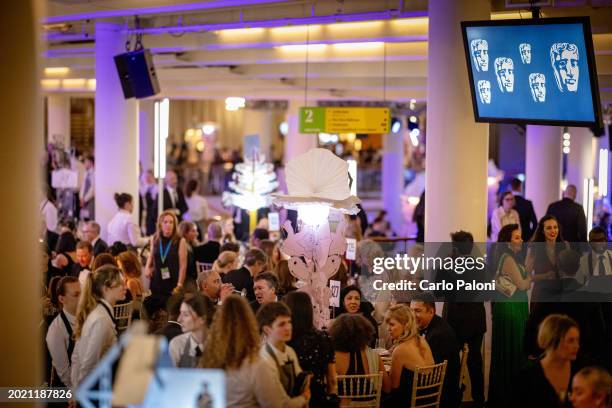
point(537, 84)
point(525, 50)
point(504, 71)
point(480, 54)
point(564, 60)
point(484, 91)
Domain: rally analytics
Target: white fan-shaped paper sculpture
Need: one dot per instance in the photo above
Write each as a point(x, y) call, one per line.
point(318, 177)
point(317, 181)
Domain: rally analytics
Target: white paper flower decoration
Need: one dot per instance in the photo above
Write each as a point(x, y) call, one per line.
point(318, 177)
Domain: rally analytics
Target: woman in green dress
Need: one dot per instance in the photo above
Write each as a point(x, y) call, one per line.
point(509, 318)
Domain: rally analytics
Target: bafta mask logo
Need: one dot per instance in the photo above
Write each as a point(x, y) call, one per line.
point(480, 54)
point(525, 50)
point(564, 60)
point(484, 91)
point(537, 84)
point(504, 71)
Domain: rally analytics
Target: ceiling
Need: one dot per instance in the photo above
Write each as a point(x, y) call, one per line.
point(358, 50)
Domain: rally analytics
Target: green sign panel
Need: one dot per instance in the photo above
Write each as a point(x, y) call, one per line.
point(344, 120)
point(312, 120)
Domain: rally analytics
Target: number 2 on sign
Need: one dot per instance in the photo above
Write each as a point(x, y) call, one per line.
point(309, 116)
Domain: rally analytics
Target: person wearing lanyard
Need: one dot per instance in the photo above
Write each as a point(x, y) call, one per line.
point(167, 262)
point(195, 318)
point(96, 331)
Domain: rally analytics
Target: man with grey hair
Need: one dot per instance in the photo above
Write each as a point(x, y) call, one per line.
point(209, 251)
point(537, 84)
point(209, 284)
point(91, 232)
point(564, 61)
point(173, 197)
point(480, 54)
point(504, 71)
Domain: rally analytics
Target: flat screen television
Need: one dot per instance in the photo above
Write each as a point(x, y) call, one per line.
point(539, 71)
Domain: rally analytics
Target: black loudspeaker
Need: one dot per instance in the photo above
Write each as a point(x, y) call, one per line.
point(137, 74)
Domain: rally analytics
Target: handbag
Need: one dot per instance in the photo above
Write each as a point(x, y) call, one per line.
point(503, 284)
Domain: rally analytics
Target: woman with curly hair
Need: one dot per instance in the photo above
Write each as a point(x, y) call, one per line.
point(350, 335)
point(233, 345)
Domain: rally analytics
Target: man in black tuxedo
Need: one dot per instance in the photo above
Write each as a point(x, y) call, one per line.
point(255, 262)
point(208, 252)
point(265, 286)
point(467, 316)
point(84, 255)
point(91, 232)
point(444, 346)
point(524, 207)
point(173, 196)
point(570, 215)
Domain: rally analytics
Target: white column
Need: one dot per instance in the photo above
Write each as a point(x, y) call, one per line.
point(146, 133)
point(21, 146)
point(259, 122)
point(457, 147)
point(581, 159)
point(58, 119)
point(296, 143)
point(116, 131)
point(543, 166)
point(393, 178)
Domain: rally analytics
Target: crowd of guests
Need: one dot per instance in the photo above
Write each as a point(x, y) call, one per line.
point(235, 306)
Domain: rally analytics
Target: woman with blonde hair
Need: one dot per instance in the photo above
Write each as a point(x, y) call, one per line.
point(226, 261)
point(409, 351)
point(592, 387)
point(95, 332)
point(546, 383)
point(233, 345)
point(167, 262)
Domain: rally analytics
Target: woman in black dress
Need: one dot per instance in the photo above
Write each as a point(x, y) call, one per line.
point(167, 262)
point(547, 382)
point(313, 348)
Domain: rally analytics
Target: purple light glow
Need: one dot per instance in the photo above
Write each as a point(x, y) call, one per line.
point(145, 11)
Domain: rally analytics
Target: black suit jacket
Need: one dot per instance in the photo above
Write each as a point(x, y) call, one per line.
point(571, 218)
point(529, 221)
point(99, 247)
point(180, 204)
point(207, 253)
point(444, 346)
point(241, 279)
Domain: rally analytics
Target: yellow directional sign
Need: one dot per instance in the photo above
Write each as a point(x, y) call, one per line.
point(344, 120)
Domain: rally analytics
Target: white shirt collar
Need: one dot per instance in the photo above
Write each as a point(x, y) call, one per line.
point(71, 318)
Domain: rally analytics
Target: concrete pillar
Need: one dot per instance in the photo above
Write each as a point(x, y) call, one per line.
point(21, 148)
point(146, 133)
point(581, 159)
point(116, 128)
point(543, 166)
point(457, 147)
point(58, 119)
point(393, 178)
point(296, 143)
point(259, 122)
